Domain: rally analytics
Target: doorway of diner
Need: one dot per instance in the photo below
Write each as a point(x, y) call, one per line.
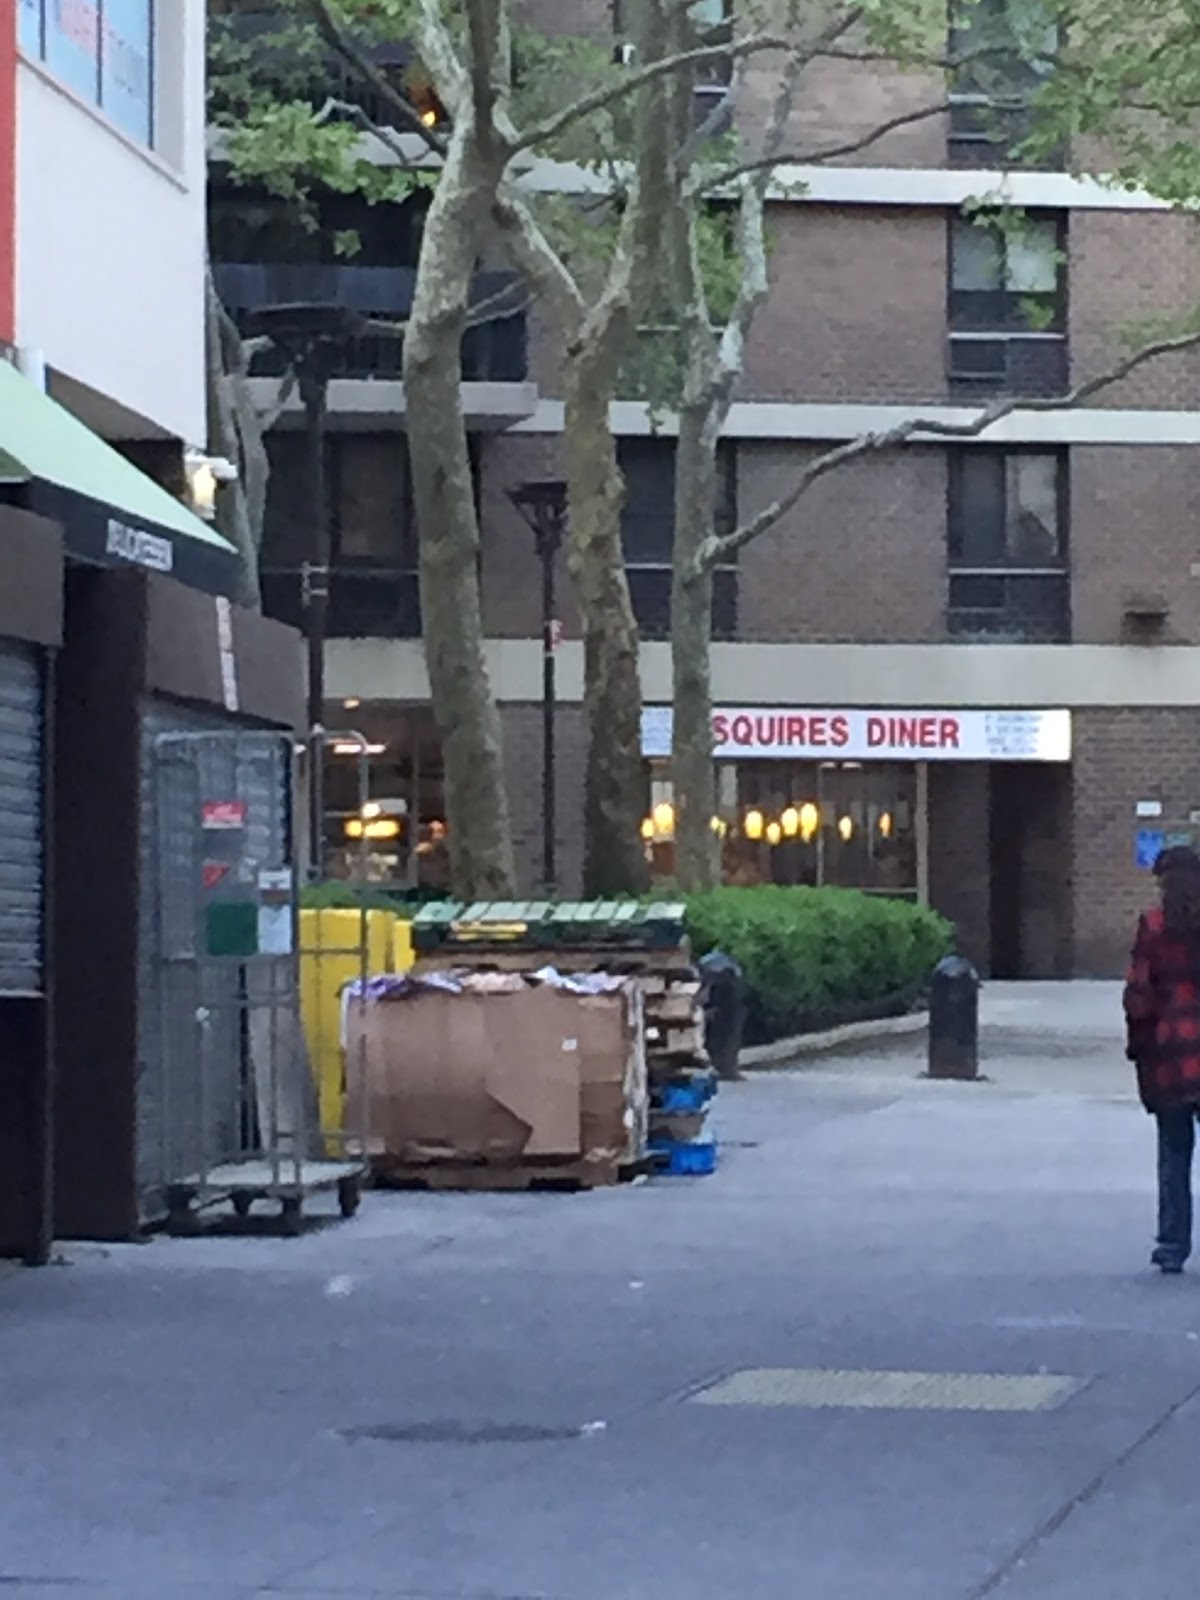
point(1029, 847)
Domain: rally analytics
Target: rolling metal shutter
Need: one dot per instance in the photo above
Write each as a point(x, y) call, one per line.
point(21, 820)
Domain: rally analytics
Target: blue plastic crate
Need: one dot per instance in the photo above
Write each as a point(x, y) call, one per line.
point(684, 1097)
point(696, 1158)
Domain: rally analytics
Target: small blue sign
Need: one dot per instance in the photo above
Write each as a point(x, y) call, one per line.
point(1148, 845)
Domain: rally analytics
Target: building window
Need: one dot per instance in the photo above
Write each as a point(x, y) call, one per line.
point(1007, 305)
point(845, 824)
point(1010, 277)
point(1008, 563)
point(648, 534)
point(374, 587)
point(102, 50)
point(1004, 53)
point(401, 843)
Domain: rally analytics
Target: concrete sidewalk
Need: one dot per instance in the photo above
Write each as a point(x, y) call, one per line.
point(504, 1397)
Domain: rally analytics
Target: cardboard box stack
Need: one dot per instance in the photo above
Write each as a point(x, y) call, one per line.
point(543, 1034)
point(498, 1080)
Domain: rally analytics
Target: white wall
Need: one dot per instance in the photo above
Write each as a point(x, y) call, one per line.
point(110, 240)
point(903, 675)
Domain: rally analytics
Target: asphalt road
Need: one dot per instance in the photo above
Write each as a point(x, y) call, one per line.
point(507, 1397)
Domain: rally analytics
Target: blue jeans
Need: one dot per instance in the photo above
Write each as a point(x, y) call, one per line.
point(1176, 1142)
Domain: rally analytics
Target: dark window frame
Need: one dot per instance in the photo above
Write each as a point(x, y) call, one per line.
point(979, 131)
point(955, 510)
point(967, 310)
point(1007, 599)
point(371, 596)
point(650, 576)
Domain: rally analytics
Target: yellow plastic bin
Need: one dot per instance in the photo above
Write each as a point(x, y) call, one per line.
point(403, 951)
point(330, 958)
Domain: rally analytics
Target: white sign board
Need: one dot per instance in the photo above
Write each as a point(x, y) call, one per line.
point(787, 733)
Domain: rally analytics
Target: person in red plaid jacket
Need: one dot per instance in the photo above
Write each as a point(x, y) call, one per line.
point(1162, 1015)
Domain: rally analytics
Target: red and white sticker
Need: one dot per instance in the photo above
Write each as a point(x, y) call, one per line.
point(223, 815)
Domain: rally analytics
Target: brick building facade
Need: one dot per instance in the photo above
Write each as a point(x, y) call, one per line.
point(1048, 571)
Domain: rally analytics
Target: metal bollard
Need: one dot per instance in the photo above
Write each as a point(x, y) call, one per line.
point(724, 998)
point(954, 1020)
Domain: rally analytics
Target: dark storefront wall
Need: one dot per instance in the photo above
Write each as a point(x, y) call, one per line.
point(1000, 865)
point(30, 631)
point(133, 640)
point(998, 838)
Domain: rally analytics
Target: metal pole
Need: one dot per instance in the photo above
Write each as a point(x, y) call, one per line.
point(316, 614)
point(414, 815)
point(922, 830)
point(548, 551)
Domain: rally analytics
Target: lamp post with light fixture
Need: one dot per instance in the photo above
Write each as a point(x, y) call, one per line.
point(308, 336)
point(543, 505)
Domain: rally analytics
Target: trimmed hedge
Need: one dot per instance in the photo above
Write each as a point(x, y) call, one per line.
point(812, 957)
point(816, 957)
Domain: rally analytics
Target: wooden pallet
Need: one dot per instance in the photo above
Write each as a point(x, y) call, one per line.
point(500, 1177)
point(678, 1007)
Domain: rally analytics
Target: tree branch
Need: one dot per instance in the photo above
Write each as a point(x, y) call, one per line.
point(339, 39)
point(830, 152)
point(600, 99)
point(537, 258)
point(512, 301)
point(441, 57)
point(486, 67)
point(378, 130)
point(725, 548)
point(268, 417)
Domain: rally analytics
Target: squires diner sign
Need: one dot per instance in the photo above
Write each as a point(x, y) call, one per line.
point(865, 734)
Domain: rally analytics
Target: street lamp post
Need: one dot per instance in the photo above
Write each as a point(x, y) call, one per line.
point(308, 336)
point(544, 507)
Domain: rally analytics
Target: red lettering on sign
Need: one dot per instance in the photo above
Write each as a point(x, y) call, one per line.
point(877, 732)
point(818, 730)
point(905, 731)
point(949, 733)
point(743, 730)
point(795, 730)
point(720, 728)
point(841, 732)
point(929, 733)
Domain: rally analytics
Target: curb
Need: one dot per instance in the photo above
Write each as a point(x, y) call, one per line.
point(782, 1051)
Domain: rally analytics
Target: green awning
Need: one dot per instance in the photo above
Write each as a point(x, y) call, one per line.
point(39, 439)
